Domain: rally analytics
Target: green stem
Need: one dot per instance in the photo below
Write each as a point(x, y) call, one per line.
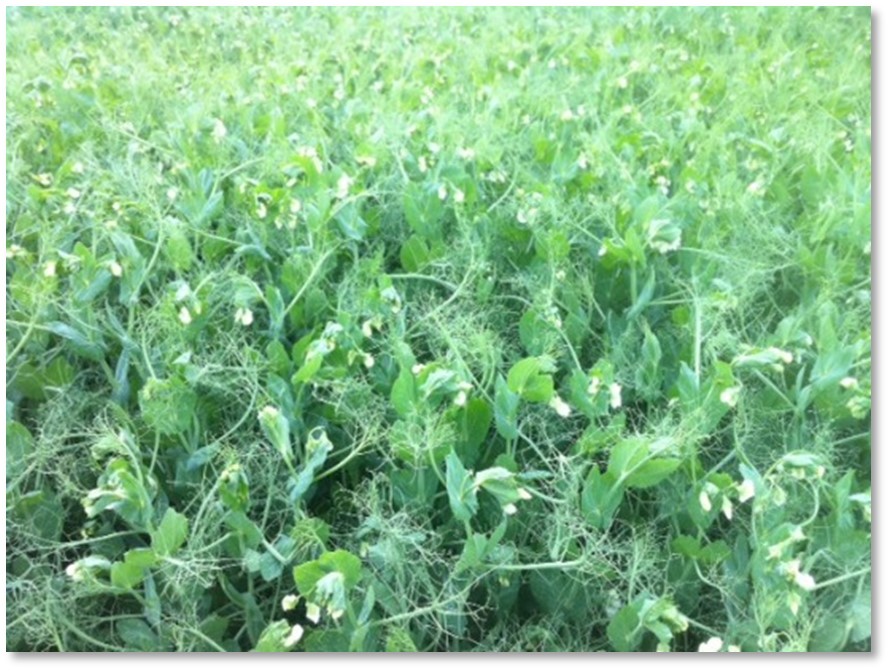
point(842, 578)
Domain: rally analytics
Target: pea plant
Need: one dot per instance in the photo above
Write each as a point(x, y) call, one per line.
point(438, 330)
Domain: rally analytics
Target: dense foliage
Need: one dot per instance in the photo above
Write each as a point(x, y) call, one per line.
point(438, 329)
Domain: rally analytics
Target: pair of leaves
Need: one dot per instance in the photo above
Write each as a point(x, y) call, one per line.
point(166, 539)
point(631, 464)
point(463, 489)
point(530, 380)
point(659, 616)
point(318, 447)
point(329, 579)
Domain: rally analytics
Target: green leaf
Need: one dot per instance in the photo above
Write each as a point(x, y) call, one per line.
point(528, 379)
point(19, 443)
point(93, 350)
point(125, 575)
point(170, 534)
point(474, 423)
point(626, 456)
point(652, 472)
point(600, 498)
point(647, 379)
point(423, 211)
point(273, 637)
point(137, 634)
point(141, 557)
point(860, 616)
point(686, 546)
point(625, 630)
point(178, 250)
point(461, 493)
point(351, 223)
point(318, 447)
point(506, 406)
point(167, 405)
point(309, 368)
point(276, 428)
point(399, 640)
point(307, 575)
point(715, 552)
point(535, 333)
point(414, 254)
point(404, 393)
point(644, 298)
point(500, 483)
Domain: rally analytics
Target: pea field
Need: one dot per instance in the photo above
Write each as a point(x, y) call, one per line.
point(442, 329)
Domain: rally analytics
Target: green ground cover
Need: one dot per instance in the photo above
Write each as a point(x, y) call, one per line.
point(476, 330)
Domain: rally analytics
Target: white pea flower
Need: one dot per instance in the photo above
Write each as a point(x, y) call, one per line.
point(294, 637)
point(461, 399)
point(756, 188)
point(244, 316)
point(704, 501)
point(115, 269)
point(269, 413)
point(730, 396)
point(562, 408)
point(75, 571)
point(849, 383)
point(805, 581)
point(594, 386)
point(459, 196)
point(621, 82)
point(466, 154)
point(343, 185)
point(49, 270)
point(289, 602)
point(510, 509)
point(172, 193)
point(726, 508)
point(219, 131)
point(745, 490)
point(295, 206)
point(443, 192)
point(524, 494)
point(567, 115)
point(784, 355)
point(313, 612)
point(73, 193)
point(713, 644)
point(733, 648)
point(369, 361)
point(77, 168)
point(417, 368)
point(185, 316)
point(615, 392)
point(367, 328)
